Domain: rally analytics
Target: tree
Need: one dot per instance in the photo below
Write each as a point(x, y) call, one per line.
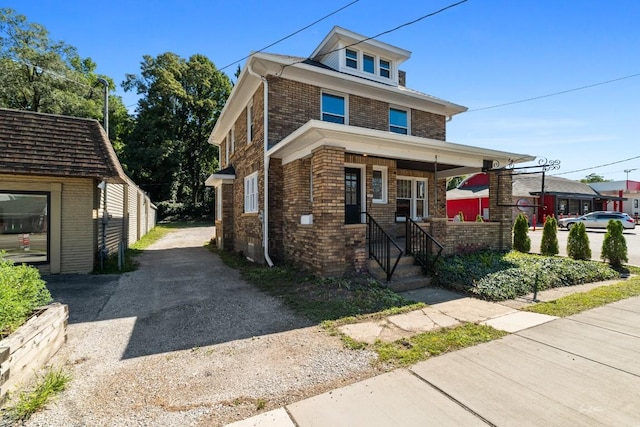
point(39, 74)
point(614, 245)
point(592, 177)
point(549, 244)
point(578, 242)
point(521, 240)
point(453, 182)
point(167, 152)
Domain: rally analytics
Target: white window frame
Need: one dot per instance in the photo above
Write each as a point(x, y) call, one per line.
point(233, 138)
point(406, 110)
point(251, 193)
point(347, 59)
point(389, 68)
point(414, 194)
point(226, 146)
point(374, 60)
point(249, 122)
point(385, 187)
point(219, 203)
point(339, 94)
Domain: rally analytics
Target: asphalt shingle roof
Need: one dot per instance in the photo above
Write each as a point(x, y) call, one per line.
point(46, 144)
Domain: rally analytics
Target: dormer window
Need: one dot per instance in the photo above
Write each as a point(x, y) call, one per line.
point(352, 58)
point(385, 68)
point(368, 64)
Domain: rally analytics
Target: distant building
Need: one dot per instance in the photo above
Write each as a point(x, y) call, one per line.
point(628, 191)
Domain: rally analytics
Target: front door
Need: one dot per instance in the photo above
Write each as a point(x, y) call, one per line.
point(352, 196)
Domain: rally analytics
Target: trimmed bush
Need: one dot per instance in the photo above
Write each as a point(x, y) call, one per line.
point(521, 240)
point(549, 244)
point(614, 246)
point(497, 276)
point(578, 242)
point(479, 218)
point(21, 292)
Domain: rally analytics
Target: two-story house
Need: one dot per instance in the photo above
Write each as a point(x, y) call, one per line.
point(312, 148)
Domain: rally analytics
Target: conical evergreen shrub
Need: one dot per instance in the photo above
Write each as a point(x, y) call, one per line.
point(578, 242)
point(521, 240)
point(614, 246)
point(549, 245)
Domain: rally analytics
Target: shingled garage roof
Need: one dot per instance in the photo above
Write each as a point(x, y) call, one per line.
point(46, 144)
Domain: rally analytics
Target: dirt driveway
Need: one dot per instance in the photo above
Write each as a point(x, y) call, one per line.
point(184, 341)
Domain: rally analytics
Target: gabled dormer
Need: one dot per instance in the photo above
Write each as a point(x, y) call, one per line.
point(352, 53)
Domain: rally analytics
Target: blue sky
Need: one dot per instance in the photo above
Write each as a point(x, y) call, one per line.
point(478, 54)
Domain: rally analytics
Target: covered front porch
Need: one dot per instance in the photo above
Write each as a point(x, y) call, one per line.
point(336, 179)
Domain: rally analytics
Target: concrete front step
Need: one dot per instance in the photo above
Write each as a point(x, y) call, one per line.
point(408, 283)
point(407, 275)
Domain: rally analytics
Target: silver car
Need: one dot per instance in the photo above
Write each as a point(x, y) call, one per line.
point(598, 220)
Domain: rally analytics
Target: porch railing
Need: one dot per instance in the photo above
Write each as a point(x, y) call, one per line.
point(422, 246)
point(381, 247)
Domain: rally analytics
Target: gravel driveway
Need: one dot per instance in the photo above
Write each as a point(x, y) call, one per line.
point(184, 341)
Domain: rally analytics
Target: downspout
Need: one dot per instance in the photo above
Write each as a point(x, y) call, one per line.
point(265, 127)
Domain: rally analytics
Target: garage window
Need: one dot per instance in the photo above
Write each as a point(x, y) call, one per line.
point(24, 226)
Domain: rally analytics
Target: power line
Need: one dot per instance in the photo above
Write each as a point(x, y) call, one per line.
point(599, 166)
point(555, 93)
point(292, 34)
point(384, 32)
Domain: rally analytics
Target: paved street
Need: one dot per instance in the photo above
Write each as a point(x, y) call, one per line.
point(595, 241)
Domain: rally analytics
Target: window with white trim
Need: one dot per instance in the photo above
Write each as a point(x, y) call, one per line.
point(368, 64)
point(226, 146)
point(385, 68)
point(398, 121)
point(334, 108)
point(351, 57)
point(411, 198)
point(251, 193)
point(379, 184)
point(233, 139)
point(250, 123)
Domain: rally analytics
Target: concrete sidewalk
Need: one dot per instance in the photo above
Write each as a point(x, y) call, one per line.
point(580, 370)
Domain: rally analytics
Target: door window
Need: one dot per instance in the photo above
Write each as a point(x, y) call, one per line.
point(352, 196)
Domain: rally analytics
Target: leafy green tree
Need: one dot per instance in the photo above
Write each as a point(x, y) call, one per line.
point(614, 245)
point(521, 240)
point(578, 242)
point(167, 152)
point(453, 182)
point(592, 177)
point(549, 244)
point(39, 74)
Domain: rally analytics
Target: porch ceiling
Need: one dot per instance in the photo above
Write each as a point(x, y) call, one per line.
point(452, 159)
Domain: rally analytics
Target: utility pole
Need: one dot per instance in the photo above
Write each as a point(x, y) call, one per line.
point(105, 121)
point(626, 184)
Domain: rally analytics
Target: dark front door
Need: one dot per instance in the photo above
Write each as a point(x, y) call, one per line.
point(352, 196)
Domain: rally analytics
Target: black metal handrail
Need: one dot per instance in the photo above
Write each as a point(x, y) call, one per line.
point(421, 244)
point(380, 245)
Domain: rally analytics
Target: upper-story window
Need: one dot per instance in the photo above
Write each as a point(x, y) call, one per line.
point(385, 68)
point(368, 64)
point(334, 108)
point(250, 123)
point(352, 58)
point(398, 121)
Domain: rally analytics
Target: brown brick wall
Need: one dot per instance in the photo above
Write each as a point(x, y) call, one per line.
point(291, 105)
point(368, 113)
point(428, 125)
point(461, 237)
point(225, 225)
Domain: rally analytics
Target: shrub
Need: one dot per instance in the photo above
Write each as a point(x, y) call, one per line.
point(479, 218)
point(521, 240)
point(614, 246)
point(549, 245)
point(578, 242)
point(21, 291)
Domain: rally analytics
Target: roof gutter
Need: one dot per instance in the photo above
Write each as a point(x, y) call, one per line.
point(265, 209)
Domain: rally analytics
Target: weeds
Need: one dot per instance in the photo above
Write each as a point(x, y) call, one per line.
point(27, 403)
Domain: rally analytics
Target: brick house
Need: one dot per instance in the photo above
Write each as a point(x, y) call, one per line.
point(63, 193)
point(307, 145)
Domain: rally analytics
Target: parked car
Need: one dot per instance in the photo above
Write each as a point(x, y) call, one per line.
point(598, 220)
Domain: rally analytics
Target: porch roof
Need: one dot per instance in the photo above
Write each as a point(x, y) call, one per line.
point(223, 176)
point(452, 159)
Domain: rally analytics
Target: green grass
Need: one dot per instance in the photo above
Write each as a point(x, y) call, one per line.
point(29, 402)
point(578, 302)
point(318, 299)
point(155, 234)
point(420, 347)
